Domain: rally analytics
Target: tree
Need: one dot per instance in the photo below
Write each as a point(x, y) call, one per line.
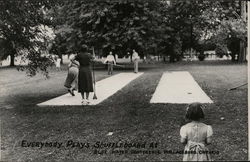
point(21, 31)
point(187, 19)
point(199, 21)
point(230, 29)
point(111, 25)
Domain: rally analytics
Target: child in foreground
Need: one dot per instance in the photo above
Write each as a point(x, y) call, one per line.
point(196, 135)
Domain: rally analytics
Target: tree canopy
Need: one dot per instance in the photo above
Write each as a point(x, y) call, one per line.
point(150, 27)
point(21, 31)
point(111, 25)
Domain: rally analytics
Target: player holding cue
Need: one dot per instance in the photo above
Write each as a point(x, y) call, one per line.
point(85, 83)
point(110, 60)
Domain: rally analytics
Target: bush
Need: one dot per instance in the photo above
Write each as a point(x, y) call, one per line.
point(201, 57)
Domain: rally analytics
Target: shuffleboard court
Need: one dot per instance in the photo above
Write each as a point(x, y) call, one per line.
point(179, 87)
point(104, 89)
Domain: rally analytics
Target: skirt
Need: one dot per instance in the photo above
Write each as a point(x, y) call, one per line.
point(72, 77)
point(195, 151)
point(85, 83)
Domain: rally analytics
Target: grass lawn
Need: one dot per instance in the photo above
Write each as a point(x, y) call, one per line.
point(128, 114)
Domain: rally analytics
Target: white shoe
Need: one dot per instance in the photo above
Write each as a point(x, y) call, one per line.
point(84, 102)
point(87, 101)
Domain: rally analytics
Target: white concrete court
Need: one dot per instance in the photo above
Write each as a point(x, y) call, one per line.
point(179, 87)
point(104, 89)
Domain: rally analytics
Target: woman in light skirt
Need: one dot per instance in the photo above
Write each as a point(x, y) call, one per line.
point(72, 77)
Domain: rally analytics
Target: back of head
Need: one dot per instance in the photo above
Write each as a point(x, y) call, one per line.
point(194, 112)
point(83, 49)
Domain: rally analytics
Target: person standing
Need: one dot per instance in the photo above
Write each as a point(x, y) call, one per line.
point(110, 60)
point(58, 63)
point(72, 77)
point(135, 59)
point(196, 135)
point(129, 56)
point(85, 84)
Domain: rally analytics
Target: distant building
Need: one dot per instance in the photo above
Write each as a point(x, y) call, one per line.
point(212, 52)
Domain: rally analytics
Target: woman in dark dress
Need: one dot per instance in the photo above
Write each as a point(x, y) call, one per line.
point(85, 84)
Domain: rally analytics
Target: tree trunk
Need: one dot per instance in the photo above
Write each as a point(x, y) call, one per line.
point(191, 35)
point(12, 50)
point(12, 59)
point(233, 57)
point(61, 57)
point(98, 52)
point(172, 58)
point(242, 53)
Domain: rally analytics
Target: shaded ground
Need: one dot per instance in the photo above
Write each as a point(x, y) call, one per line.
point(128, 114)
